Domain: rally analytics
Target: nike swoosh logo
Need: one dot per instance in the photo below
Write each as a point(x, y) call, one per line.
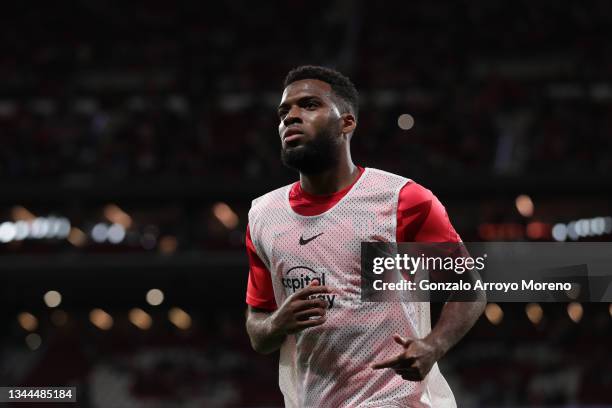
point(305, 241)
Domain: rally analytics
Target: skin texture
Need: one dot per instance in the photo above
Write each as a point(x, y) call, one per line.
point(267, 330)
point(310, 108)
point(416, 356)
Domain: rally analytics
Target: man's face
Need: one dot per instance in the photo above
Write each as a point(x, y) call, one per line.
point(310, 126)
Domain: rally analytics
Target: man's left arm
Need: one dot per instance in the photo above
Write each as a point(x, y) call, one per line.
point(422, 218)
point(419, 355)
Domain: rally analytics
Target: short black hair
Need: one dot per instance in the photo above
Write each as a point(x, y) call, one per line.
point(342, 86)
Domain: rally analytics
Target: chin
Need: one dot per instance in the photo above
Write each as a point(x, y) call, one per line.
point(293, 148)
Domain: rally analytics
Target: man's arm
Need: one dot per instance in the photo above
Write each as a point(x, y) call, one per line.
point(422, 218)
point(455, 320)
point(460, 312)
point(263, 337)
point(267, 330)
point(419, 355)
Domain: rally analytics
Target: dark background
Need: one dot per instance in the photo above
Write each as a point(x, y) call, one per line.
point(160, 119)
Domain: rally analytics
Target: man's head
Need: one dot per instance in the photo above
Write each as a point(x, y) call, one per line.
point(318, 114)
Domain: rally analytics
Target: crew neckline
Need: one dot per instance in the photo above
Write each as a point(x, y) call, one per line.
point(305, 204)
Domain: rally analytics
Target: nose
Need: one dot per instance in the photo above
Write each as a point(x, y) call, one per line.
point(293, 116)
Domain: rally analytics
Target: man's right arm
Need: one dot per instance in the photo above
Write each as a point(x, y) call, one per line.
point(268, 330)
point(268, 325)
point(263, 337)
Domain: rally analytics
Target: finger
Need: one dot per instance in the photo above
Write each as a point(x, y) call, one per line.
point(389, 363)
point(311, 290)
point(413, 376)
point(404, 363)
point(309, 323)
point(307, 314)
point(309, 304)
point(399, 339)
point(405, 369)
point(404, 341)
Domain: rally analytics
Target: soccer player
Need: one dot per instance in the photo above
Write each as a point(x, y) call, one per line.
point(303, 242)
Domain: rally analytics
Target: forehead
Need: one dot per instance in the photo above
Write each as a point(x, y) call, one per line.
point(306, 87)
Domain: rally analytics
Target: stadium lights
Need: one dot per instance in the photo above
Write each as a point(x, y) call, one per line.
point(101, 319)
point(494, 313)
point(116, 233)
point(99, 232)
point(168, 244)
point(501, 231)
point(534, 313)
point(179, 318)
point(524, 205)
point(77, 237)
point(117, 216)
point(27, 321)
point(575, 311)
point(538, 230)
point(102, 232)
point(559, 232)
point(33, 341)
point(20, 213)
point(35, 228)
point(225, 215)
point(155, 297)
point(582, 228)
point(140, 318)
point(7, 232)
point(405, 121)
point(22, 229)
point(52, 298)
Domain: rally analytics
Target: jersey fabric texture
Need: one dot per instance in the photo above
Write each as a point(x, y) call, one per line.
point(329, 365)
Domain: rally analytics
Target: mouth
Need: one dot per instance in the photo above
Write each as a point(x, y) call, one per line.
point(291, 138)
point(291, 135)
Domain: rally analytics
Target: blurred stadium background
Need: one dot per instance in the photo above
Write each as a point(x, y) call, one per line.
point(135, 135)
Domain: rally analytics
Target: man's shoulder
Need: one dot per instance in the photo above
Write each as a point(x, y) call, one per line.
point(386, 174)
point(416, 192)
point(270, 197)
point(411, 191)
point(384, 182)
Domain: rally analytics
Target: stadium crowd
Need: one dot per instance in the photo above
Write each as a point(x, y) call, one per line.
point(178, 92)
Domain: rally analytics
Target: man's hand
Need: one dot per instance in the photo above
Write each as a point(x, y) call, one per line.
point(267, 330)
point(296, 312)
point(414, 362)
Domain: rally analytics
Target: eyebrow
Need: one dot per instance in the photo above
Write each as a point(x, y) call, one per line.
point(302, 99)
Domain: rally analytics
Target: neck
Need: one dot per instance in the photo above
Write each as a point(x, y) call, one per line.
point(331, 180)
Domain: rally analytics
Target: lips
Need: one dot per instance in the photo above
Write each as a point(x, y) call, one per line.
point(292, 134)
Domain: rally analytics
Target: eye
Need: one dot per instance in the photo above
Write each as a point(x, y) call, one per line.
point(311, 105)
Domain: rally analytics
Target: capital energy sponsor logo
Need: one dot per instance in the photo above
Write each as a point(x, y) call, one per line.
point(299, 277)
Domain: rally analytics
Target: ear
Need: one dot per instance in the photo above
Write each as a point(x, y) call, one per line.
point(349, 123)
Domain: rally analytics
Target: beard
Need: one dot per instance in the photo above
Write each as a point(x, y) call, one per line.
point(315, 156)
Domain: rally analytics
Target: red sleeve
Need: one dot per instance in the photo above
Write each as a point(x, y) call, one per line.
point(260, 293)
point(421, 217)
